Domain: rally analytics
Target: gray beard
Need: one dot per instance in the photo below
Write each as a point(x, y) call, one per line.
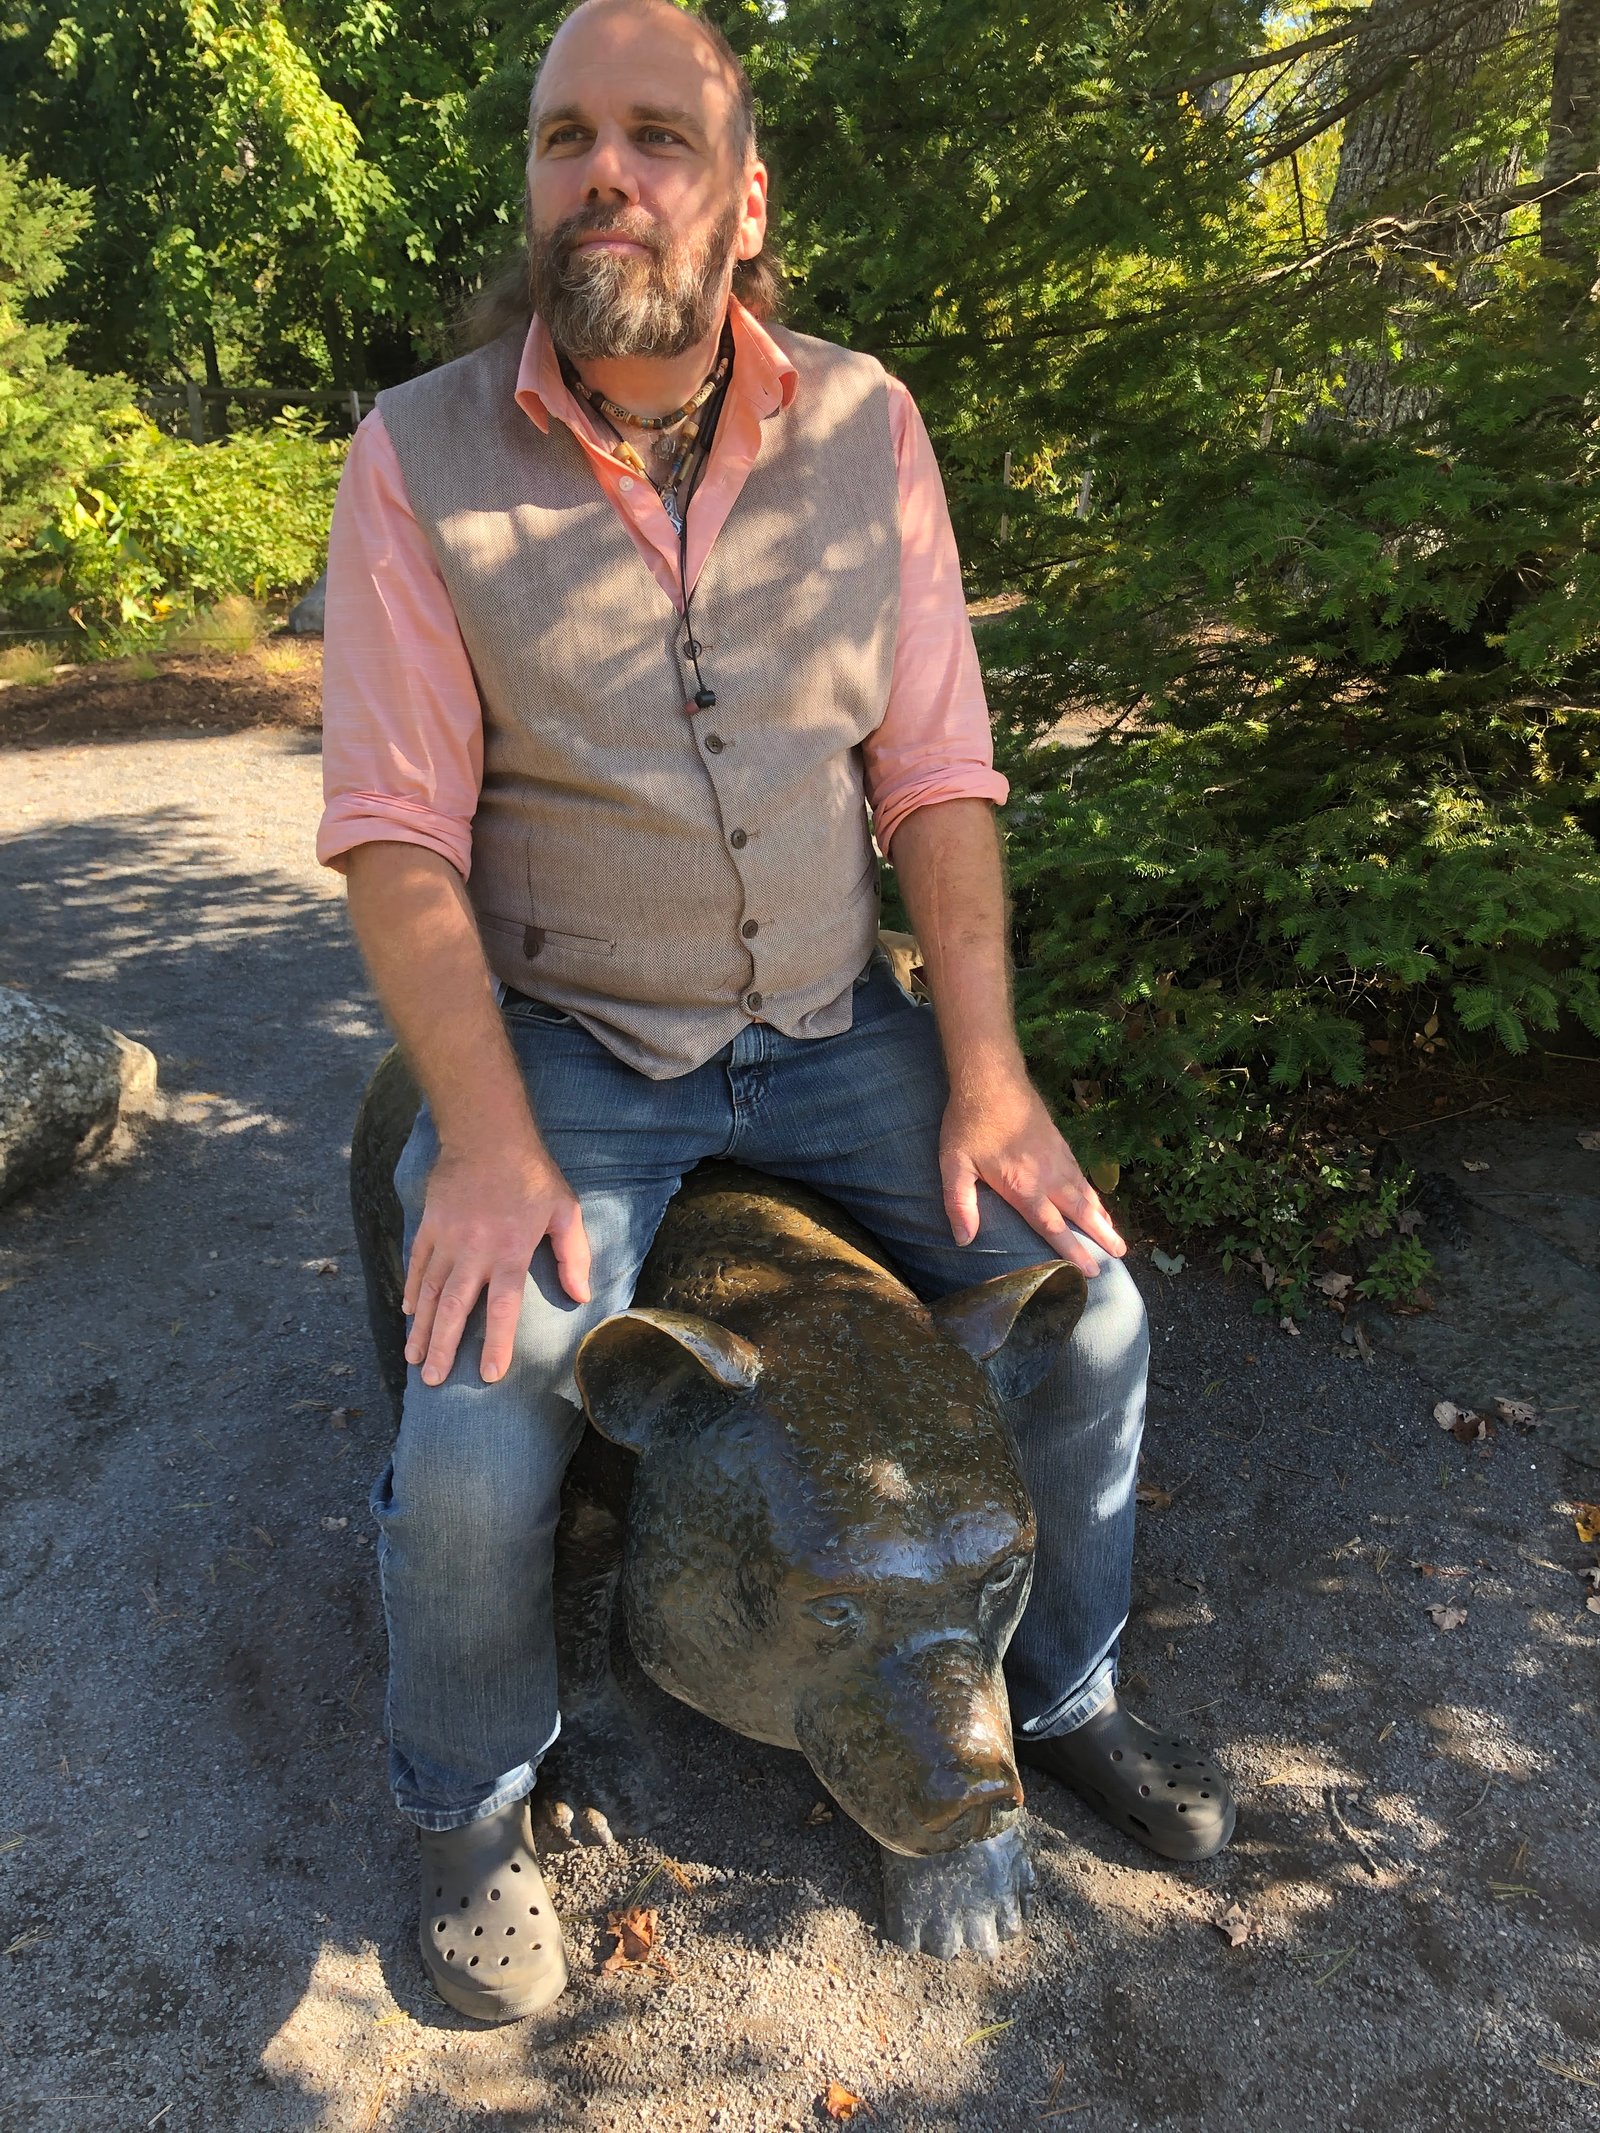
point(601, 305)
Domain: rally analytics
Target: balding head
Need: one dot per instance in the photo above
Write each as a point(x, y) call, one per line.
point(618, 24)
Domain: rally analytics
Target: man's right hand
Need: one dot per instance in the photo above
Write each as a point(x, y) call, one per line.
point(482, 1222)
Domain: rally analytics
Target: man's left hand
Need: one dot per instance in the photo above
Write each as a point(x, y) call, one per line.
point(1001, 1132)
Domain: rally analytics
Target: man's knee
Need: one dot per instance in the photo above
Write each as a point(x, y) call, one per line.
point(1114, 1329)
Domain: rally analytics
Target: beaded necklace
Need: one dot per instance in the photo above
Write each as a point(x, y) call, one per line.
point(613, 414)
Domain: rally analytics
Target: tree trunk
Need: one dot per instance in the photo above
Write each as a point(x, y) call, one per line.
point(1420, 59)
point(1574, 131)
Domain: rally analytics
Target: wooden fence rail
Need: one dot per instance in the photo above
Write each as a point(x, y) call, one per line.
point(193, 400)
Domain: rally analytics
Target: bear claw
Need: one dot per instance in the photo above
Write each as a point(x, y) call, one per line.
point(963, 1902)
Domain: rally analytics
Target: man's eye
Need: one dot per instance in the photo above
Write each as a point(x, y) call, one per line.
point(563, 136)
point(660, 133)
point(834, 1613)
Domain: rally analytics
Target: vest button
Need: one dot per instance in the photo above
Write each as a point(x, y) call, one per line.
point(713, 744)
point(752, 1000)
point(750, 929)
point(625, 484)
point(739, 840)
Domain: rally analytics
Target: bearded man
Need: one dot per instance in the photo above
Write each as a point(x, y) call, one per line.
point(632, 615)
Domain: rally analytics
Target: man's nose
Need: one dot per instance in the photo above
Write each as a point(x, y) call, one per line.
point(609, 175)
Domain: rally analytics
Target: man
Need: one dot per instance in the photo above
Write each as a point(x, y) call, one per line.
point(604, 701)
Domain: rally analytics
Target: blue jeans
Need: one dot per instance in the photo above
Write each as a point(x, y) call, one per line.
point(467, 1508)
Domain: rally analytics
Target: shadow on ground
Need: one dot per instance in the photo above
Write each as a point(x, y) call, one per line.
point(205, 1900)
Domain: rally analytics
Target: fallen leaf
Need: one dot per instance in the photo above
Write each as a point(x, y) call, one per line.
point(1591, 1577)
point(321, 1266)
point(1468, 1164)
point(1586, 1517)
point(341, 1370)
point(1287, 1325)
point(1591, 1141)
point(635, 1931)
point(1443, 1617)
point(1105, 1176)
point(820, 1812)
point(1152, 1497)
point(1408, 1222)
point(990, 2029)
point(1463, 1423)
point(1363, 1346)
point(334, 1525)
point(1234, 1926)
point(840, 2104)
point(1167, 1262)
point(1593, 1603)
point(1522, 1412)
point(1336, 1285)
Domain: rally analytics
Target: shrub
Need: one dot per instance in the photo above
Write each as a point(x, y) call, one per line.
point(169, 525)
point(233, 625)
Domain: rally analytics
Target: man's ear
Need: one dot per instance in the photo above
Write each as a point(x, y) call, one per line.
point(629, 1366)
point(1016, 1325)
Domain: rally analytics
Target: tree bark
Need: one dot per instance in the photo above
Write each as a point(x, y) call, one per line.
point(1574, 132)
point(1426, 54)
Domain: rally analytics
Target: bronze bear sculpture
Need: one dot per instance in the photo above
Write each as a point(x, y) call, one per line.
point(799, 1483)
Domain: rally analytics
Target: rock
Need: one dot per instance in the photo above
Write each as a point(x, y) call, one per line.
point(305, 617)
point(64, 1083)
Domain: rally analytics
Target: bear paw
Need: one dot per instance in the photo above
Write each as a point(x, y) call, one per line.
point(963, 1902)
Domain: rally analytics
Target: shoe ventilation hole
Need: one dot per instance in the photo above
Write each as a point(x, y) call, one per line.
point(494, 1895)
point(515, 1868)
point(1172, 1784)
point(439, 1928)
point(533, 1910)
point(477, 1932)
point(1145, 1790)
point(465, 1901)
point(1205, 1796)
point(473, 1964)
point(1149, 1758)
point(504, 1960)
point(439, 1891)
point(1116, 1755)
point(537, 1946)
point(1183, 1807)
point(449, 1955)
point(511, 1932)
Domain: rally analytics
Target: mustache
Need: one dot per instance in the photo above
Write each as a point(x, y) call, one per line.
point(631, 222)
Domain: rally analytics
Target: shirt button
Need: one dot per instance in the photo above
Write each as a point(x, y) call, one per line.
point(739, 840)
point(713, 744)
point(750, 929)
point(625, 484)
point(752, 1000)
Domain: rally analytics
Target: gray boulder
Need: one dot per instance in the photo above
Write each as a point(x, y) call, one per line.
point(64, 1083)
point(305, 617)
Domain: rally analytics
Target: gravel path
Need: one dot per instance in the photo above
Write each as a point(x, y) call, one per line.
point(204, 1896)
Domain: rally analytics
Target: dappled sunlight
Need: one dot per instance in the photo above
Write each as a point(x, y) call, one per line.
point(1482, 1740)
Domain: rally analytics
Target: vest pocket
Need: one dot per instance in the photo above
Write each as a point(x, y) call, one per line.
point(534, 941)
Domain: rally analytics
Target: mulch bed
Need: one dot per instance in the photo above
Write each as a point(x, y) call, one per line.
point(190, 692)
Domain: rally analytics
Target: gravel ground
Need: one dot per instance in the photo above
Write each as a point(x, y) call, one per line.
point(205, 1897)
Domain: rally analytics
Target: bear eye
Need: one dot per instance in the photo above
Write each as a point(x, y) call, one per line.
point(834, 1611)
point(1004, 1579)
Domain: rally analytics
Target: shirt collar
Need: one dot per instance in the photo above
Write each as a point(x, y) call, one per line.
point(761, 371)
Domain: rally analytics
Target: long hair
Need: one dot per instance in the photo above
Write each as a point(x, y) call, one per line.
point(504, 300)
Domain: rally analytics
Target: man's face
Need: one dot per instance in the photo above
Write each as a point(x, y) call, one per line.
point(640, 199)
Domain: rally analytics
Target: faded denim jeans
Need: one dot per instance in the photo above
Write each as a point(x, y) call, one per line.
point(467, 1507)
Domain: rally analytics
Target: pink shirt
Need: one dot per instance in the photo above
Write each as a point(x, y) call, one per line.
point(402, 727)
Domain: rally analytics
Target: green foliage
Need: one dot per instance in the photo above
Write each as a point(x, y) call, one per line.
point(54, 423)
point(167, 526)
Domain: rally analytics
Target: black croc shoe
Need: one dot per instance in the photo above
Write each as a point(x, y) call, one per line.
point(490, 1940)
point(1157, 1787)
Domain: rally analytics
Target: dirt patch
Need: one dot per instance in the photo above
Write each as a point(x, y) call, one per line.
point(278, 685)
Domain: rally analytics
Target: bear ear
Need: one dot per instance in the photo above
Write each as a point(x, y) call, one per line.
point(1016, 1325)
point(630, 1365)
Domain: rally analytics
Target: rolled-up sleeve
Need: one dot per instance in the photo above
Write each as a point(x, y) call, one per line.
point(402, 727)
point(934, 743)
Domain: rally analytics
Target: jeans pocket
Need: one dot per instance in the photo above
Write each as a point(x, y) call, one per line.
point(521, 1010)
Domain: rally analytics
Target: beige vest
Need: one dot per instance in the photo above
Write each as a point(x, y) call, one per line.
point(668, 875)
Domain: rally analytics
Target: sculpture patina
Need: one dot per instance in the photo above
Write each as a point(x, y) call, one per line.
point(803, 1495)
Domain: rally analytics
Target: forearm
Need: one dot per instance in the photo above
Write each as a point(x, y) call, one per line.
point(947, 860)
point(420, 940)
